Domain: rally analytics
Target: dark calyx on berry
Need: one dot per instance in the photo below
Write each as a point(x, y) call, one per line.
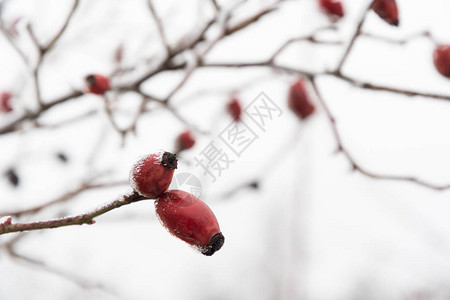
point(215, 243)
point(169, 160)
point(90, 80)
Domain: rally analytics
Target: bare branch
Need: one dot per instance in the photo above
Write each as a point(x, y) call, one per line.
point(251, 20)
point(186, 77)
point(67, 121)
point(159, 27)
point(31, 116)
point(264, 64)
point(14, 45)
point(84, 187)
point(353, 38)
point(43, 50)
point(215, 5)
point(33, 37)
point(86, 218)
point(403, 41)
point(352, 81)
point(376, 87)
point(82, 283)
point(355, 165)
point(309, 38)
point(60, 32)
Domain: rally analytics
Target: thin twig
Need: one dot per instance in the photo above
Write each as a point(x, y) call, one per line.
point(66, 122)
point(400, 91)
point(85, 218)
point(403, 41)
point(355, 165)
point(356, 34)
point(81, 282)
point(84, 187)
point(159, 27)
point(309, 38)
point(15, 46)
point(31, 116)
point(43, 50)
point(352, 81)
point(60, 32)
point(215, 5)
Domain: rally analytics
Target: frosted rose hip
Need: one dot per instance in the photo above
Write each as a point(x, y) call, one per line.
point(185, 141)
point(5, 102)
point(234, 109)
point(152, 174)
point(97, 84)
point(441, 58)
point(191, 220)
point(387, 10)
point(299, 101)
point(332, 7)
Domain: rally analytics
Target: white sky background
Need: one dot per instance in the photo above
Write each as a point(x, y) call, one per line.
point(314, 230)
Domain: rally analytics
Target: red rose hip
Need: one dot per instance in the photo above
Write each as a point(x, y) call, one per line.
point(332, 7)
point(441, 58)
point(387, 10)
point(5, 102)
point(191, 220)
point(97, 84)
point(151, 175)
point(185, 141)
point(234, 109)
point(299, 101)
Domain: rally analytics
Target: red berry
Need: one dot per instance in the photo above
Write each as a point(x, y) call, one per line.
point(5, 102)
point(191, 220)
point(441, 57)
point(152, 174)
point(234, 109)
point(387, 10)
point(97, 84)
point(185, 141)
point(5, 221)
point(332, 7)
point(299, 101)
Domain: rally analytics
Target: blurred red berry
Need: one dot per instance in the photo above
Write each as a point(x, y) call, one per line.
point(234, 109)
point(97, 84)
point(5, 221)
point(5, 102)
point(387, 10)
point(191, 220)
point(332, 7)
point(185, 141)
point(299, 101)
point(152, 174)
point(441, 57)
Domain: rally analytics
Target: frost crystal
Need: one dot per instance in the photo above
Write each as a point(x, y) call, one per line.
point(136, 169)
